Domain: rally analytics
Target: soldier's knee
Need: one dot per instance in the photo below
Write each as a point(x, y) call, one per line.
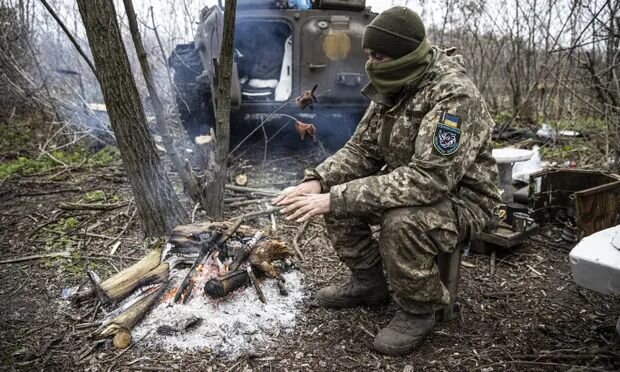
point(398, 220)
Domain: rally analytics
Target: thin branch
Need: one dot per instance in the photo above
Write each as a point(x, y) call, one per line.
point(70, 36)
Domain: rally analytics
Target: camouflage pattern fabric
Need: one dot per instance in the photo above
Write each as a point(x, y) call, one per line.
point(409, 240)
point(424, 161)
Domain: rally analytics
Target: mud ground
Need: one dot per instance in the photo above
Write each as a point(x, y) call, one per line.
point(527, 315)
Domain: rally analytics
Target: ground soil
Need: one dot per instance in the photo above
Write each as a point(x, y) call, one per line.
point(527, 315)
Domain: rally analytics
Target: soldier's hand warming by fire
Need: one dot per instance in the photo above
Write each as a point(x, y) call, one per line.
point(303, 201)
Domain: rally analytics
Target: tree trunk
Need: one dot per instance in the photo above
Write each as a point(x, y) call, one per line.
point(194, 188)
point(158, 205)
point(222, 113)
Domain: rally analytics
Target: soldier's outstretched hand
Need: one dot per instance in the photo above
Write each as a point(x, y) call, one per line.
point(303, 201)
point(308, 187)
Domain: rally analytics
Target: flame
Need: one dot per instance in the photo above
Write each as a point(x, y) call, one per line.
point(168, 296)
point(204, 272)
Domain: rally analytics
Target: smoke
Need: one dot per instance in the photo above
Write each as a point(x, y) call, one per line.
point(54, 74)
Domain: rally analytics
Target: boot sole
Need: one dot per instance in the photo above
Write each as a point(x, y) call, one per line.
point(364, 301)
point(396, 350)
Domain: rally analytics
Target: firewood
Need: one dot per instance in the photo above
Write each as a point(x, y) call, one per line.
point(221, 286)
point(122, 339)
point(245, 251)
point(206, 247)
point(131, 316)
point(241, 180)
point(254, 281)
point(120, 285)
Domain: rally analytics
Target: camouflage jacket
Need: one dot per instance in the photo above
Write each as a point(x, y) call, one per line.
point(433, 143)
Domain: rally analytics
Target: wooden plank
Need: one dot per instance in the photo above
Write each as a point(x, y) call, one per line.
point(449, 272)
point(598, 208)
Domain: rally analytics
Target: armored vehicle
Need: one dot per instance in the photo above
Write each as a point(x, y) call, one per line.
point(281, 50)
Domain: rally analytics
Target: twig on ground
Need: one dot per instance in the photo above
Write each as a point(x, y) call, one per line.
point(298, 235)
point(96, 207)
point(20, 287)
point(247, 202)
point(256, 214)
point(39, 193)
point(124, 229)
point(100, 236)
point(36, 257)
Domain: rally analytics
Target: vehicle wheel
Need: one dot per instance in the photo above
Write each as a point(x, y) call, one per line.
point(193, 98)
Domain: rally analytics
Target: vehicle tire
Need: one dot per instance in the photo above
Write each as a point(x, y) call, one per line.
point(193, 98)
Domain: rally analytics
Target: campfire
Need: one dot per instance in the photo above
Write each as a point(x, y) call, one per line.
point(219, 286)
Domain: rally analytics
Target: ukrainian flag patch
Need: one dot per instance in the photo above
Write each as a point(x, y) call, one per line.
point(450, 120)
point(447, 134)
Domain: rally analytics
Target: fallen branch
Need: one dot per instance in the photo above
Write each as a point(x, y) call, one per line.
point(36, 257)
point(265, 192)
point(39, 193)
point(95, 207)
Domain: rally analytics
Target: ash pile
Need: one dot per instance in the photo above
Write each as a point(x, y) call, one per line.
point(220, 287)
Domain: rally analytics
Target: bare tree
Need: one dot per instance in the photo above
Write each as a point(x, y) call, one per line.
point(222, 113)
point(192, 183)
point(158, 205)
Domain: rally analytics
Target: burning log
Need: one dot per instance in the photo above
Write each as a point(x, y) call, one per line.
point(221, 286)
point(260, 255)
point(207, 246)
point(218, 267)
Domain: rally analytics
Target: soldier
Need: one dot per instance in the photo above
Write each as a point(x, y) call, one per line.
point(419, 164)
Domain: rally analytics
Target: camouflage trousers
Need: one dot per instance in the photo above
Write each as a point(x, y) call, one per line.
point(408, 243)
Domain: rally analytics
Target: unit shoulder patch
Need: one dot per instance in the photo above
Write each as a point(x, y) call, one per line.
point(447, 134)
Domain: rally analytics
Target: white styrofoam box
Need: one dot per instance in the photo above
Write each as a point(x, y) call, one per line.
point(595, 261)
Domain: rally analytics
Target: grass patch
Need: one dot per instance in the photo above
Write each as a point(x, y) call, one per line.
point(502, 117)
point(24, 166)
point(99, 196)
point(57, 235)
point(17, 133)
point(579, 124)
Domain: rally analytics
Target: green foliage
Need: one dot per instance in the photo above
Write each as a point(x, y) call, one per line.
point(579, 124)
point(95, 196)
point(574, 150)
point(502, 117)
point(16, 133)
point(25, 166)
point(56, 236)
point(100, 196)
point(106, 156)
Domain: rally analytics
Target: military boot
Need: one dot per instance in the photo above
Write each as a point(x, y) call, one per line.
point(404, 333)
point(363, 287)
